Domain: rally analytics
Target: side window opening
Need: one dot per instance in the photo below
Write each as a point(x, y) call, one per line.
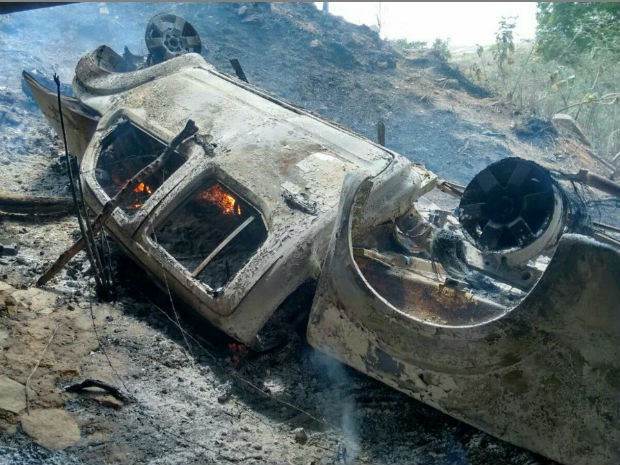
point(124, 152)
point(213, 233)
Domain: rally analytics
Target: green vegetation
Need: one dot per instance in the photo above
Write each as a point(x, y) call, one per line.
point(572, 67)
point(566, 29)
point(441, 48)
point(404, 44)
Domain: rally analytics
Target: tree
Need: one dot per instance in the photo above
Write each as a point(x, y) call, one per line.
point(566, 28)
point(504, 43)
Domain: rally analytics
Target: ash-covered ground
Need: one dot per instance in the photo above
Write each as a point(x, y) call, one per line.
point(198, 398)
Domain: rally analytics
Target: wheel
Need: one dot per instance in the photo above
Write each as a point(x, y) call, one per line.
point(168, 36)
point(507, 205)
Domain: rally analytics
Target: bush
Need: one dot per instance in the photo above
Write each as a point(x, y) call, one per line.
point(582, 83)
point(403, 44)
point(441, 49)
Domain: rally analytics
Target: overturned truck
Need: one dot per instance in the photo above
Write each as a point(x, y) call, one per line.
point(503, 313)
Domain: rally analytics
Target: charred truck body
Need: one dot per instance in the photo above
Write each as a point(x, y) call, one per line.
point(503, 315)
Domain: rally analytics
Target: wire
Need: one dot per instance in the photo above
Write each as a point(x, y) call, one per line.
point(96, 265)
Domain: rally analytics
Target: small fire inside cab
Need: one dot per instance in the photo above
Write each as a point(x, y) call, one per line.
point(213, 233)
point(124, 152)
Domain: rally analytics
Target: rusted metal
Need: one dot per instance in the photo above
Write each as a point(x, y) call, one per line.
point(506, 369)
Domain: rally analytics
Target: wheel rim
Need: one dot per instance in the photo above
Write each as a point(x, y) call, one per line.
point(509, 204)
point(168, 36)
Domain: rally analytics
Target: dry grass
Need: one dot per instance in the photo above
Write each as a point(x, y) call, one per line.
point(588, 88)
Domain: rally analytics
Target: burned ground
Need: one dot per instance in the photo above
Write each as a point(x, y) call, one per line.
point(198, 396)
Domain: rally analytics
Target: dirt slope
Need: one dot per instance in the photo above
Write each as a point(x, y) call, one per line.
point(198, 402)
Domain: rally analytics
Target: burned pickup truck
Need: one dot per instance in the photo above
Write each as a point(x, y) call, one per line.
point(503, 313)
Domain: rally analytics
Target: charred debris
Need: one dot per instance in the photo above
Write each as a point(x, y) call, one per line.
point(447, 293)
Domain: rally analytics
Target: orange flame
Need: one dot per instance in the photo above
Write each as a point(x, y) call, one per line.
point(143, 189)
point(217, 196)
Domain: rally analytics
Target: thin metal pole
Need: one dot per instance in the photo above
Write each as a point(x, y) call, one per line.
point(223, 244)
